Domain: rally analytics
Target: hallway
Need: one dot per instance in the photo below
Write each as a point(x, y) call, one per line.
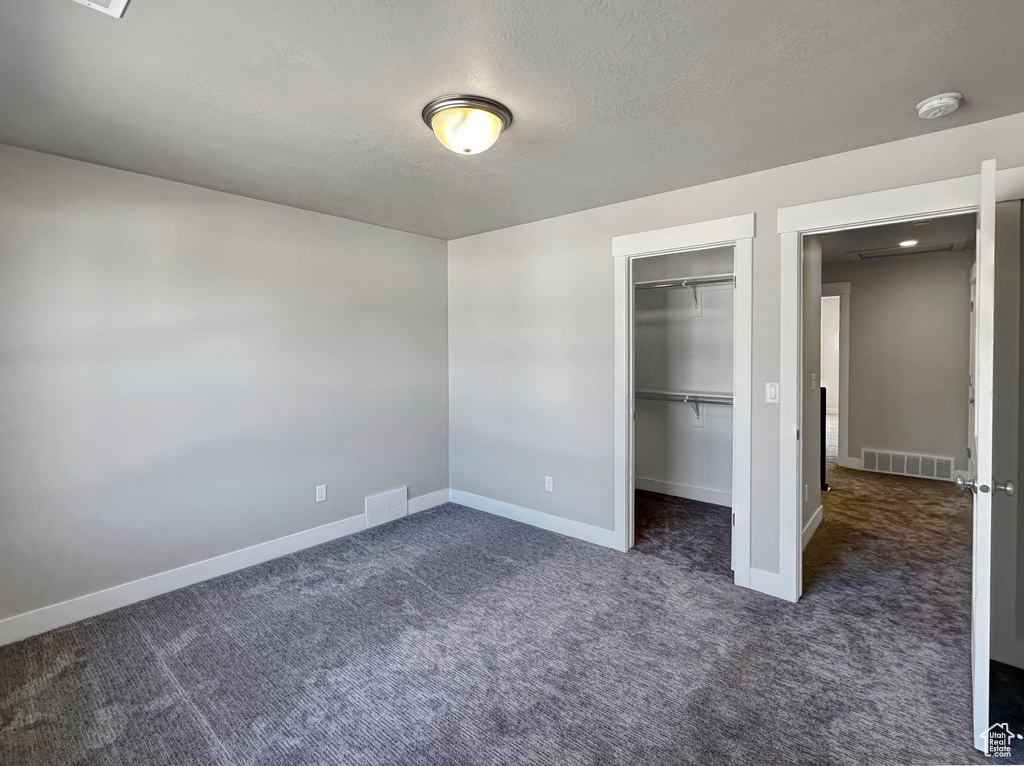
point(899, 546)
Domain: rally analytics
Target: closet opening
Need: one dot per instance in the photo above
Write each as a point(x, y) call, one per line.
point(683, 434)
point(683, 394)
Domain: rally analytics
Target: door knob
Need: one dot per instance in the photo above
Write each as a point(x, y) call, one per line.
point(963, 483)
point(1007, 487)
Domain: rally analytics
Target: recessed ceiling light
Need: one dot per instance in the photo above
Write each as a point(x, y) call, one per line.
point(938, 106)
point(466, 124)
point(908, 243)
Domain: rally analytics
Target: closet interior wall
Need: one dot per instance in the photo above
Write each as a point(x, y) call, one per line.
point(682, 348)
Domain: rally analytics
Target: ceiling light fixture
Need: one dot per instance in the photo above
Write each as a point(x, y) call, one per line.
point(908, 243)
point(466, 124)
point(938, 106)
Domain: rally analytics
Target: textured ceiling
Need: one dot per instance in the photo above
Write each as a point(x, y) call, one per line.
point(316, 104)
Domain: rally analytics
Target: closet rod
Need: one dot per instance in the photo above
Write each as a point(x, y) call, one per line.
point(711, 279)
point(690, 397)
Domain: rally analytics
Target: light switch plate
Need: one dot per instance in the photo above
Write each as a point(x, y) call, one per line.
point(771, 393)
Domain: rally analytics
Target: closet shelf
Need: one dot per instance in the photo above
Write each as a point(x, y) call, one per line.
point(693, 398)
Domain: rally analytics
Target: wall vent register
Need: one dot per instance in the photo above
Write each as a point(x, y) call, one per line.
point(113, 8)
point(908, 464)
point(387, 506)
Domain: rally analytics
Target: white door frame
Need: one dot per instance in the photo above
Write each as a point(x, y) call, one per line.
point(842, 291)
point(736, 232)
point(931, 200)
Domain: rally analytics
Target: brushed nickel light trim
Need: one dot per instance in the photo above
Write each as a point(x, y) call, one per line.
point(463, 101)
point(467, 124)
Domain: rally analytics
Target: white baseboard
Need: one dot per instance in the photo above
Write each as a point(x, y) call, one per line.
point(812, 526)
point(701, 494)
point(423, 502)
point(46, 618)
point(579, 530)
point(852, 462)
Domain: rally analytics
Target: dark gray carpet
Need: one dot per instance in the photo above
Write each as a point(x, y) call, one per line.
point(1008, 697)
point(454, 637)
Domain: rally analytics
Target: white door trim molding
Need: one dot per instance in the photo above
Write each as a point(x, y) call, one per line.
point(691, 236)
point(842, 291)
point(939, 198)
point(737, 232)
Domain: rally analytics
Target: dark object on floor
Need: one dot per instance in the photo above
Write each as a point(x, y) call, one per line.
point(455, 637)
point(1007, 697)
point(824, 440)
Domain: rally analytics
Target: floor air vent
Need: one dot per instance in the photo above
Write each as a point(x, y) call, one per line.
point(387, 506)
point(905, 464)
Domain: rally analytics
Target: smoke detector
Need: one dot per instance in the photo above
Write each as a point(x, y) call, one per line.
point(113, 8)
point(938, 106)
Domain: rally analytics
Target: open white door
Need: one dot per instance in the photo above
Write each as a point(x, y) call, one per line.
point(983, 483)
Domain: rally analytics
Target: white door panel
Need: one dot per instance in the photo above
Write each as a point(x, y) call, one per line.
point(981, 449)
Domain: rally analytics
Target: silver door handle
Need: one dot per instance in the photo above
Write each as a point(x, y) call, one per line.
point(1007, 487)
point(963, 483)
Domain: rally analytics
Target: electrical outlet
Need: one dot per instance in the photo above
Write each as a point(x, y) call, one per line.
point(321, 493)
point(806, 495)
point(549, 484)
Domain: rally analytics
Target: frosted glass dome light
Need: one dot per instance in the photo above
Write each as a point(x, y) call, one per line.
point(466, 124)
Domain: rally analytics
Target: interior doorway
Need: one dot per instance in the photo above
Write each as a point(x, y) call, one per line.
point(683, 388)
point(993, 456)
point(683, 330)
point(899, 296)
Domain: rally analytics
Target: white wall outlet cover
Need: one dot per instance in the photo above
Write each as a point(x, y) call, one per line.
point(814, 381)
point(321, 493)
point(549, 484)
point(771, 393)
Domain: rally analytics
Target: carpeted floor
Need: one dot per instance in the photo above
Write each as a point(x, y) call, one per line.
point(455, 637)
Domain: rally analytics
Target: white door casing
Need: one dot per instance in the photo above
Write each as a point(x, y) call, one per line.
point(737, 232)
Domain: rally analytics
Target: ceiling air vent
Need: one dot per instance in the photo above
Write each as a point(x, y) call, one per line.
point(892, 252)
point(113, 8)
point(906, 464)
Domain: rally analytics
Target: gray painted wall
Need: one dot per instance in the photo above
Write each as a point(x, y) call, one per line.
point(531, 324)
point(1007, 576)
point(909, 352)
point(179, 368)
